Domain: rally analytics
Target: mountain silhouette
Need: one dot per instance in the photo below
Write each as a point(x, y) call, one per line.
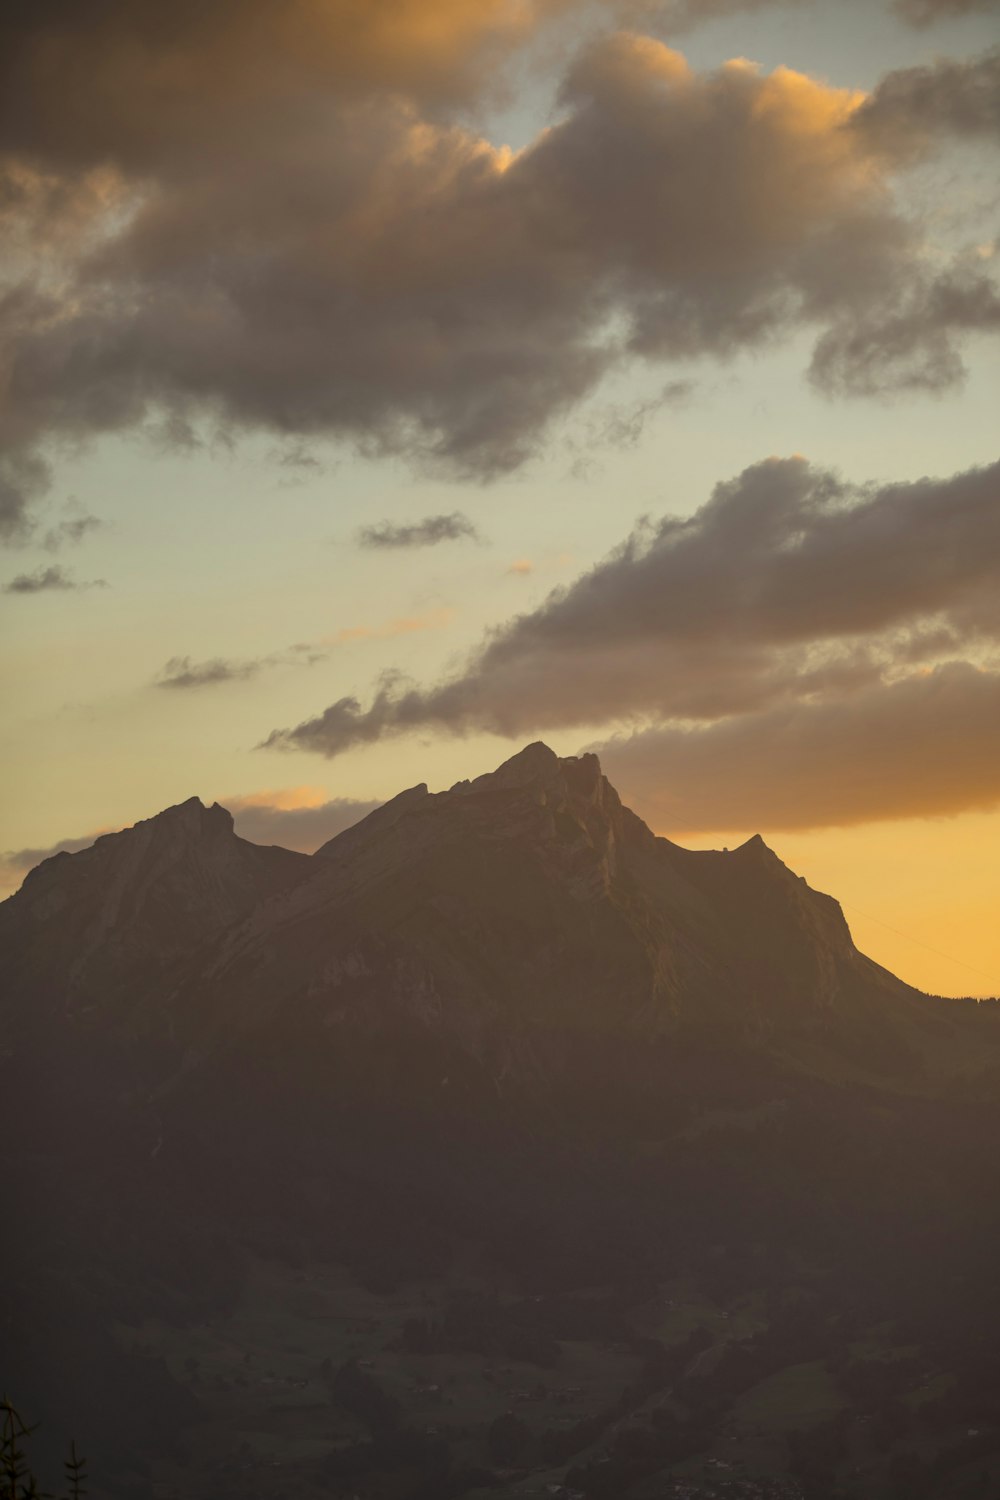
point(524, 904)
point(503, 1025)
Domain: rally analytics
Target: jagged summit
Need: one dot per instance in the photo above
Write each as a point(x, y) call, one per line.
point(538, 765)
point(528, 895)
point(191, 819)
point(197, 816)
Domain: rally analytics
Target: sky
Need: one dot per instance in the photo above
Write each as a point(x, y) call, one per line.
point(386, 385)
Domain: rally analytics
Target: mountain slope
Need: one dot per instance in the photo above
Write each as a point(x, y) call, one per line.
point(85, 927)
point(500, 1052)
point(531, 904)
point(504, 916)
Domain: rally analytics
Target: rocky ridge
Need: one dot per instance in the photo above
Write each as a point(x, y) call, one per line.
point(526, 902)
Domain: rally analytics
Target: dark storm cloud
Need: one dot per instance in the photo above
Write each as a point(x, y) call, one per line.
point(265, 216)
point(51, 579)
point(786, 584)
point(426, 533)
point(929, 744)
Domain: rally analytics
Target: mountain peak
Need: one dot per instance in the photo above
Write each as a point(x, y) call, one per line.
point(534, 763)
point(116, 913)
point(193, 819)
point(756, 847)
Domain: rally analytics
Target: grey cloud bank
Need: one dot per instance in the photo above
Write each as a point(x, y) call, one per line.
point(322, 248)
point(929, 744)
point(790, 603)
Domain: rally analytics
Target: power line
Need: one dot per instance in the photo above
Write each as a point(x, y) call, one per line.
point(950, 957)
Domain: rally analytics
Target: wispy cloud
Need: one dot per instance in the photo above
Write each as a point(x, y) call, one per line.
point(70, 531)
point(50, 579)
point(426, 533)
point(183, 672)
point(433, 619)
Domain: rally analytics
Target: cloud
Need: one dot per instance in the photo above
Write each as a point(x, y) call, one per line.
point(787, 582)
point(24, 477)
point(673, 17)
point(426, 533)
point(908, 343)
point(115, 83)
point(70, 532)
point(623, 426)
point(926, 745)
point(184, 672)
point(911, 108)
point(297, 818)
point(46, 580)
point(434, 619)
point(800, 652)
point(926, 12)
point(277, 217)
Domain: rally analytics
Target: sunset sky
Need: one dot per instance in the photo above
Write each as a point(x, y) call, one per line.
point(387, 383)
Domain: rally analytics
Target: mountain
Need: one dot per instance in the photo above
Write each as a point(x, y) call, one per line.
point(86, 927)
point(500, 1056)
point(505, 916)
